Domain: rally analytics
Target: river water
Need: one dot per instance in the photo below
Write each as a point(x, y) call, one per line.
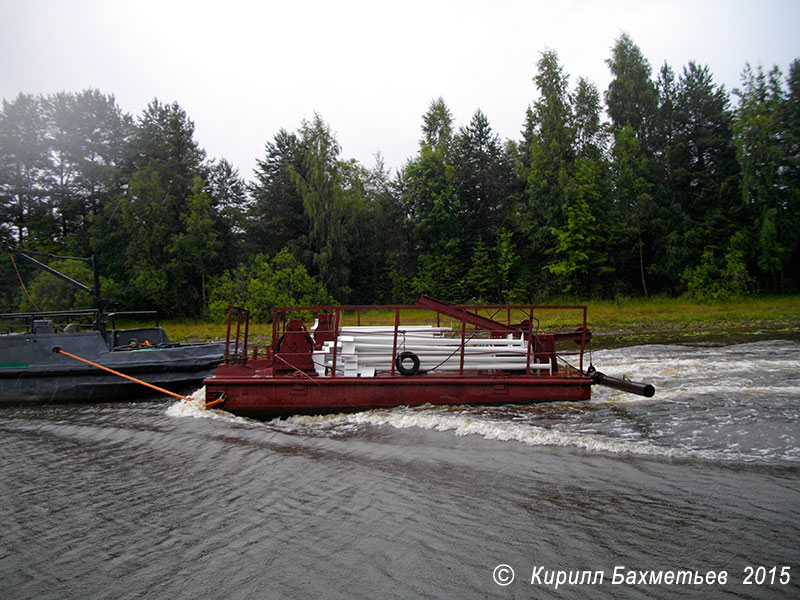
point(618, 497)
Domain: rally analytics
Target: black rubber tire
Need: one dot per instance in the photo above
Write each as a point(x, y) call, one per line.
point(404, 356)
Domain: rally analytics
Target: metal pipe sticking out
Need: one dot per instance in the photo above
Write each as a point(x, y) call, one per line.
point(624, 385)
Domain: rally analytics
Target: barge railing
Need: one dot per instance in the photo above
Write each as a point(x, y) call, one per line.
point(360, 350)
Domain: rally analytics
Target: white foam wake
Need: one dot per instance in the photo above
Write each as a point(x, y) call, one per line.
point(463, 425)
point(196, 409)
point(504, 431)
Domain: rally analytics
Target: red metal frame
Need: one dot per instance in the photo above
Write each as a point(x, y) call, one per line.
point(241, 313)
point(299, 375)
point(286, 380)
point(466, 314)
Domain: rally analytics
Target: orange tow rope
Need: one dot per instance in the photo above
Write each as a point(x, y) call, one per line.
point(113, 372)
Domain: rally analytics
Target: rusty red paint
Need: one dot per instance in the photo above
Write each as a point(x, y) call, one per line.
point(287, 381)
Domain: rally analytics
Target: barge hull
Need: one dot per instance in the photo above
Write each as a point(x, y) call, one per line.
point(266, 398)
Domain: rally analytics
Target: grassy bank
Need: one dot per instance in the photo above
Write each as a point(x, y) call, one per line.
point(635, 320)
point(678, 313)
point(678, 319)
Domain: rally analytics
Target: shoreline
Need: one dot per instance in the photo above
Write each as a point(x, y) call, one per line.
point(709, 336)
point(620, 323)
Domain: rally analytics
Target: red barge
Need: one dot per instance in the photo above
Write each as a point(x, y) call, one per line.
point(433, 353)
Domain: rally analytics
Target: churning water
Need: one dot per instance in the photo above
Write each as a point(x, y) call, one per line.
point(617, 497)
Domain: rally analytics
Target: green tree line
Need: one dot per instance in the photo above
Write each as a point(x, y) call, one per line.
point(663, 184)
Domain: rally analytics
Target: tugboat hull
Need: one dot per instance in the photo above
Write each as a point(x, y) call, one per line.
point(31, 373)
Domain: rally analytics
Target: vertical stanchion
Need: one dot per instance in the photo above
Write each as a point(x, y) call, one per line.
point(335, 341)
point(463, 342)
point(394, 341)
point(530, 341)
point(246, 336)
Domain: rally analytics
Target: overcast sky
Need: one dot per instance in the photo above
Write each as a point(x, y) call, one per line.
point(244, 69)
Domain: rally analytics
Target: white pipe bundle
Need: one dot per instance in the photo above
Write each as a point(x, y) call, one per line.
point(361, 351)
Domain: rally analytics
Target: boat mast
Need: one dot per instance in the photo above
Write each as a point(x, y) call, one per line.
point(29, 254)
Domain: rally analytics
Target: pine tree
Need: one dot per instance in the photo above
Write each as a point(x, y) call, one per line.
point(426, 188)
point(551, 160)
point(88, 136)
point(482, 180)
point(24, 164)
point(631, 98)
point(327, 203)
point(276, 218)
point(768, 191)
